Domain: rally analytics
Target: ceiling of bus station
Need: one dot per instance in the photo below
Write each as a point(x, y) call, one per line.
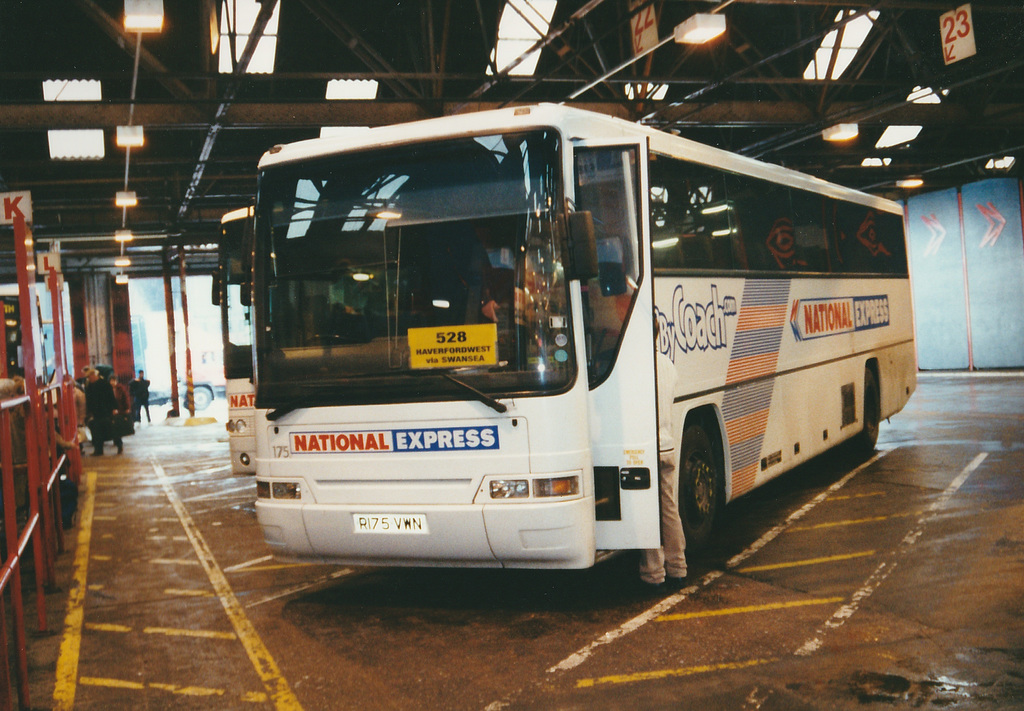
point(745, 92)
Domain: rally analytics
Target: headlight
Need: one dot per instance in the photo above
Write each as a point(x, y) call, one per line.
point(562, 486)
point(240, 426)
point(230, 426)
point(287, 490)
point(244, 459)
point(510, 489)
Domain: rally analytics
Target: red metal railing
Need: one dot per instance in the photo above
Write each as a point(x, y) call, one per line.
point(47, 432)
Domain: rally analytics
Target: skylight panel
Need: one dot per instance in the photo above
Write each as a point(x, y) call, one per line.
point(876, 162)
point(76, 144)
point(351, 89)
point(72, 90)
point(522, 23)
point(897, 135)
point(854, 34)
point(262, 61)
point(647, 90)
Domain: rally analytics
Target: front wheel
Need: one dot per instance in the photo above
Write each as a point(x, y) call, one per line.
point(701, 487)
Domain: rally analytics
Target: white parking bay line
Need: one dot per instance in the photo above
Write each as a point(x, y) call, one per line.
point(266, 668)
point(578, 657)
point(886, 567)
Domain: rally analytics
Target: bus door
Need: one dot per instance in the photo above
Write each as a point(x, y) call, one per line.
point(619, 327)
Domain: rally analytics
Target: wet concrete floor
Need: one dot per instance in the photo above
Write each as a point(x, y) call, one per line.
point(895, 582)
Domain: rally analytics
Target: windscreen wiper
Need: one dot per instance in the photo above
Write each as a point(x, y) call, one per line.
point(482, 397)
point(283, 410)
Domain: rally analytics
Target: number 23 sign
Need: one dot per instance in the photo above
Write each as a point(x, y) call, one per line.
point(957, 29)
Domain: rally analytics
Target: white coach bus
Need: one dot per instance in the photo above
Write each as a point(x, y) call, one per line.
point(236, 333)
point(457, 323)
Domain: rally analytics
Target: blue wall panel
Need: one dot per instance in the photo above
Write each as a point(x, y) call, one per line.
point(994, 248)
point(936, 267)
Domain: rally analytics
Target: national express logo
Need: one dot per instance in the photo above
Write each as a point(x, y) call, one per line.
point(694, 325)
point(435, 439)
point(819, 318)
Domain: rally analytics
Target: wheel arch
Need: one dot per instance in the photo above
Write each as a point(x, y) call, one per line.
point(709, 417)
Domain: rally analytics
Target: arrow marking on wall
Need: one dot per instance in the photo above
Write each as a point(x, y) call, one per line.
point(938, 234)
point(996, 223)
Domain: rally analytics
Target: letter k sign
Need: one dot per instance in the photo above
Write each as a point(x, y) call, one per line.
point(15, 205)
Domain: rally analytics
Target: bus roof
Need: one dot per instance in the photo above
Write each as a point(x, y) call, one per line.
point(577, 125)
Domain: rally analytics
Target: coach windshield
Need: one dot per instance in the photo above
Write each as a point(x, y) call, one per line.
point(412, 272)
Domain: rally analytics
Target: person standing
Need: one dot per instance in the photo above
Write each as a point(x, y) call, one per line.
point(666, 566)
point(100, 405)
point(139, 390)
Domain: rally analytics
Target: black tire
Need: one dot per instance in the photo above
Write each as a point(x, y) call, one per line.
point(868, 437)
point(701, 487)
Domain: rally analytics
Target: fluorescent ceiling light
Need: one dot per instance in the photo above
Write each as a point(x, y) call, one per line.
point(238, 214)
point(262, 61)
point(123, 235)
point(143, 15)
point(897, 135)
point(909, 183)
point(126, 198)
point(351, 89)
point(122, 262)
point(1004, 163)
point(840, 132)
point(925, 95)
point(665, 243)
point(875, 162)
point(76, 144)
point(700, 28)
point(121, 279)
point(130, 136)
point(854, 34)
point(522, 23)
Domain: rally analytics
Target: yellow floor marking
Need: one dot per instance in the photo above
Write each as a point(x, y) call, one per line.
point(666, 673)
point(809, 561)
point(206, 634)
point(102, 557)
point(101, 627)
point(855, 496)
point(173, 561)
point(96, 586)
point(188, 593)
point(279, 566)
point(853, 521)
point(267, 669)
point(104, 518)
point(112, 683)
point(248, 697)
point(71, 642)
point(750, 608)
